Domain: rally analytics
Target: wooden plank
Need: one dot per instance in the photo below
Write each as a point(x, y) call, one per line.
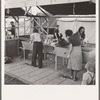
point(42, 75)
point(50, 77)
point(13, 66)
point(16, 61)
point(70, 82)
point(32, 74)
point(13, 63)
point(25, 81)
point(25, 71)
point(56, 81)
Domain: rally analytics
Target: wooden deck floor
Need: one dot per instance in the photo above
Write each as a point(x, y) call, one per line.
point(45, 76)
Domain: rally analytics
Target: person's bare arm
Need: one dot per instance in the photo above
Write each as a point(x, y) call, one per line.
point(70, 50)
point(31, 38)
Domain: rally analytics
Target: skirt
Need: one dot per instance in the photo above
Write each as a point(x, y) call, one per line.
point(75, 60)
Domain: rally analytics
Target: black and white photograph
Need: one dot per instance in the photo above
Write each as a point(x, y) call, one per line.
point(50, 42)
point(49, 49)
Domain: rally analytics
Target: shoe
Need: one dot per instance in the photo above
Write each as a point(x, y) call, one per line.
point(69, 77)
point(64, 76)
point(34, 65)
point(40, 67)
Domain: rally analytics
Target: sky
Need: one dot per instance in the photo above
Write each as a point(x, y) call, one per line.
point(35, 10)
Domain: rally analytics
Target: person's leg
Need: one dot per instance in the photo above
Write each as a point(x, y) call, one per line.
point(69, 76)
point(40, 55)
point(34, 55)
point(74, 75)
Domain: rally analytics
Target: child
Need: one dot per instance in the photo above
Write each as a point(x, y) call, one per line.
point(89, 76)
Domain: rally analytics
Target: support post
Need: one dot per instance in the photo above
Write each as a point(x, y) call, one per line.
point(18, 36)
point(47, 26)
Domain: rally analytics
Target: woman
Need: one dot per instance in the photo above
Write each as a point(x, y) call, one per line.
point(81, 31)
point(74, 54)
point(37, 48)
point(57, 34)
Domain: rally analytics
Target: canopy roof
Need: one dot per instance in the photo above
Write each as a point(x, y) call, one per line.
point(14, 12)
point(54, 7)
point(21, 12)
point(27, 3)
point(75, 16)
point(78, 8)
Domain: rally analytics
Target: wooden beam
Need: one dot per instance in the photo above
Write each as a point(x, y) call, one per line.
point(24, 26)
point(15, 19)
point(43, 23)
point(40, 26)
point(53, 22)
point(47, 26)
point(18, 36)
point(42, 10)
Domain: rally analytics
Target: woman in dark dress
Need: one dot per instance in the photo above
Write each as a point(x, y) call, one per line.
point(74, 54)
point(57, 34)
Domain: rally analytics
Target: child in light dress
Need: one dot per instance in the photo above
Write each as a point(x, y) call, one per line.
point(89, 76)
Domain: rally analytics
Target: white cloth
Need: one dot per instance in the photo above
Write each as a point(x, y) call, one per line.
point(35, 37)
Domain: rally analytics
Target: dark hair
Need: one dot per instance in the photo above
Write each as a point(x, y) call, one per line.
point(35, 30)
point(57, 26)
point(11, 22)
point(60, 35)
point(68, 32)
point(80, 28)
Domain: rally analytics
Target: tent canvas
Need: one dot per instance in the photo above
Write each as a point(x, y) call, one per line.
point(75, 23)
point(27, 3)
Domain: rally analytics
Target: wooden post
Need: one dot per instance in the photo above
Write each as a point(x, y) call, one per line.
point(74, 9)
point(18, 36)
point(30, 25)
point(55, 61)
point(40, 26)
point(30, 19)
point(24, 25)
point(47, 25)
point(63, 60)
point(24, 53)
